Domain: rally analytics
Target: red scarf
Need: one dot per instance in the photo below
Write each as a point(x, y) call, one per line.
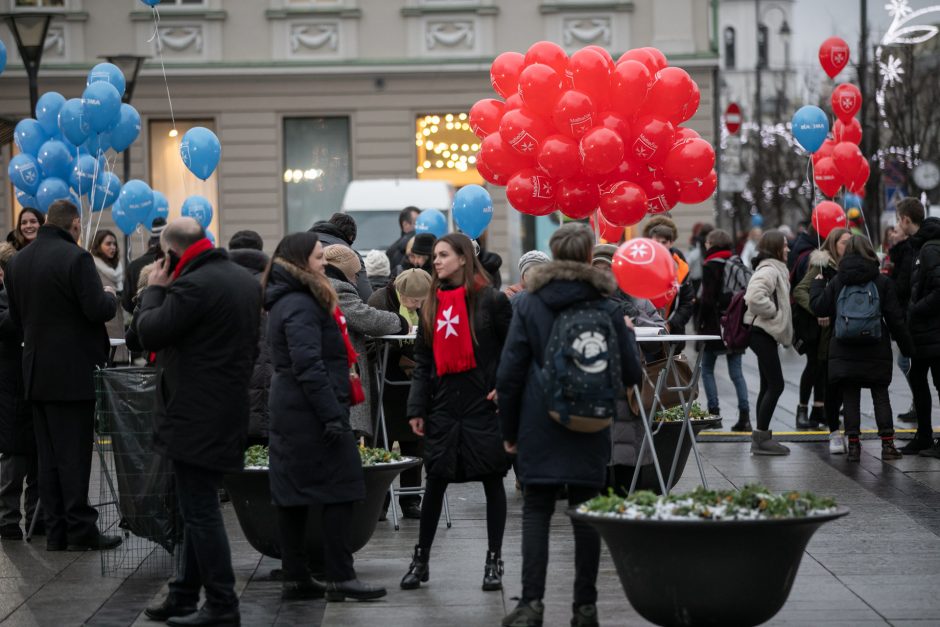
point(453, 344)
point(721, 254)
point(191, 253)
point(356, 394)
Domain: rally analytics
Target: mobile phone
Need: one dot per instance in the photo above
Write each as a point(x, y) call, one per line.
point(174, 260)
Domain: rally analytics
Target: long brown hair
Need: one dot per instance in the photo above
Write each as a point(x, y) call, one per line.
point(770, 246)
point(830, 245)
point(295, 249)
point(860, 245)
point(474, 279)
point(97, 252)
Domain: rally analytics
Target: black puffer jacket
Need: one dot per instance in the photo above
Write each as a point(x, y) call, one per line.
point(462, 436)
point(798, 259)
point(902, 257)
point(712, 302)
point(16, 418)
point(923, 313)
point(862, 365)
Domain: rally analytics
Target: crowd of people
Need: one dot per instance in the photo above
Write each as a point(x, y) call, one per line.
point(280, 350)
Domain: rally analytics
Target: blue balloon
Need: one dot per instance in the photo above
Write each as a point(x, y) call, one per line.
point(200, 150)
point(126, 131)
point(98, 143)
point(199, 209)
point(210, 237)
point(151, 3)
point(47, 111)
point(852, 200)
point(55, 160)
point(51, 190)
point(431, 221)
point(105, 192)
point(161, 209)
point(83, 174)
point(107, 73)
point(473, 210)
point(757, 220)
point(29, 136)
point(25, 173)
point(26, 200)
point(3, 57)
point(810, 127)
point(101, 104)
point(137, 200)
point(72, 122)
point(123, 221)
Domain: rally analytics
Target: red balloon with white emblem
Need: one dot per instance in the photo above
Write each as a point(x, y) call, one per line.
point(504, 73)
point(560, 157)
point(861, 177)
point(662, 194)
point(608, 232)
point(645, 268)
point(574, 113)
point(531, 191)
point(824, 151)
point(540, 87)
point(601, 151)
point(590, 74)
point(670, 94)
point(577, 197)
point(623, 203)
point(848, 159)
point(846, 101)
point(500, 158)
point(652, 140)
point(827, 177)
point(617, 123)
point(698, 190)
point(851, 132)
point(833, 55)
point(827, 216)
point(485, 116)
point(549, 53)
point(523, 131)
point(689, 159)
point(629, 86)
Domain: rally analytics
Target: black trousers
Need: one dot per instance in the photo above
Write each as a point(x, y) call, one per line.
point(852, 398)
point(64, 441)
point(434, 503)
point(207, 559)
point(813, 379)
point(537, 510)
point(771, 375)
point(336, 523)
point(17, 471)
point(921, 389)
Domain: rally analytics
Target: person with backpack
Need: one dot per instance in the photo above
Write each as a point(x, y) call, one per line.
point(863, 304)
point(768, 313)
point(806, 335)
point(723, 275)
point(824, 262)
point(568, 358)
point(452, 403)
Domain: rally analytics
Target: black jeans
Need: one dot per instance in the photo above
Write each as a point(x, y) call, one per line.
point(64, 440)
point(15, 472)
point(852, 399)
point(771, 375)
point(434, 503)
point(921, 389)
point(336, 521)
point(207, 559)
point(813, 379)
point(537, 510)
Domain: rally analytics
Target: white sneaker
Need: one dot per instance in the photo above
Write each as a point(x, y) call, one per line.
point(836, 443)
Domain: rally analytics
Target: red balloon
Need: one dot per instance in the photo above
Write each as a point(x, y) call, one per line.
point(848, 160)
point(549, 53)
point(846, 101)
point(601, 151)
point(627, 170)
point(504, 73)
point(603, 51)
point(644, 268)
point(513, 102)
point(590, 74)
point(608, 232)
point(560, 157)
point(662, 194)
point(858, 184)
point(524, 131)
point(690, 107)
point(574, 113)
point(824, 151)
point(652, 140)
point(658, 57)
point(643, 56)
point(851, 132)
point(698, 190)
point(488, 175)
point(531, 191)
point(629, 86)
point(577, 197)
point(540, 87)
point(664, 300)
point(623, 203)
point(827, 216)
point(500, 159)
point(833, 55)
point(670, 93)
point(684, 132)
point(689, 159)
point(827, 177)
point(485, 116)
point(617, 123)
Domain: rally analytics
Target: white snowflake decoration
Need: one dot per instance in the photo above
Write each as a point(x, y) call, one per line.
point(898, 8)
point(891, 71)
point(901, 32)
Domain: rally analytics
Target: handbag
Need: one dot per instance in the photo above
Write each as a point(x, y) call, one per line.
point(667, 397)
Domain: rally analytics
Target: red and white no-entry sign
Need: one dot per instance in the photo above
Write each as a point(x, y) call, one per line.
point(733, 118)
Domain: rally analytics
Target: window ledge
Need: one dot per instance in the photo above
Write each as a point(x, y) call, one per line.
point(284, 14)
point(563, 7)
point(180, 14)
point(449, 10)
point(57, 14)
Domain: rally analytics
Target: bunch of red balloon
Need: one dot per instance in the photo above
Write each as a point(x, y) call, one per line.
point(584, 132)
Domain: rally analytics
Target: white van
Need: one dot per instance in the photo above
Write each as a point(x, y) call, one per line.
point(375, 205)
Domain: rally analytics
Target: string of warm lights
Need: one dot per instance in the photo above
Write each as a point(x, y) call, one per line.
point(445, 142)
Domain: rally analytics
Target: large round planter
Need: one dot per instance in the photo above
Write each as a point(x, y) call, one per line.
point(734, 573)
point(251, 496)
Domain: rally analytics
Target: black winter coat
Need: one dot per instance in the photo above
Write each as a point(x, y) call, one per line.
point(132, 274)
point(329, 235)
point(902, 258)
point(462, 436)
point(923, 313)
point(204, 329)
point(862, 365)
point(56, 298)
point(310, 388)
point(712, 302)
point(548, 452)
point(16, 417)
point(255, 261)
point(804, 242)
point(396, 252)
point(684, 304)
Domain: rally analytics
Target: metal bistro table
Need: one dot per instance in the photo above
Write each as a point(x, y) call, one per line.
point(684, 391)
point(381, 368)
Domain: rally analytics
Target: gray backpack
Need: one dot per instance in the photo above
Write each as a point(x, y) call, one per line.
point(858, 314)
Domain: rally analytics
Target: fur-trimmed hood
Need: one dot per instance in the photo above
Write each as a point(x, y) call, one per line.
point(286, 278)
point(821, 258)
point(560, 283)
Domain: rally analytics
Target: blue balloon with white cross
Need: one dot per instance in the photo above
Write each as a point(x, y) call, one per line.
point(199, 209)
point(473, 210)
point(431, 221)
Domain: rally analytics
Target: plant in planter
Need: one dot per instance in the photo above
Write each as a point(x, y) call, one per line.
point(251, 496)
point(749, 542)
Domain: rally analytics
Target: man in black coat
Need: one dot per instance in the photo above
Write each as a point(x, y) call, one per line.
point(56, 298)
point(406, 222)
point(910, 216)
point(201, 318)
point(341, 229)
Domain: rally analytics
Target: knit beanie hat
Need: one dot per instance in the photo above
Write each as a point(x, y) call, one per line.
point(605, 253)
point(344, 258)
point(413, 283)
point(530, 259)
point(377, 264)
point(423, 244)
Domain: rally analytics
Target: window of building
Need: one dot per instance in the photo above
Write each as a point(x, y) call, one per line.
point(447, 149)
point(182, 2)
point(170, 176)
point(316, 168)
point(729, 48)
point(762, 39)
point(48, 4)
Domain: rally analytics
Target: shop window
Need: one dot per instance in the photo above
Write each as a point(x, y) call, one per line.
point(447, 149)
point(316, 169)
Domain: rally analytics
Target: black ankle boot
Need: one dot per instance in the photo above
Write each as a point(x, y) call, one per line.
point(817, 416)
point(419, 572)
point(744, 422)
point(802, 418)
point(493, 572)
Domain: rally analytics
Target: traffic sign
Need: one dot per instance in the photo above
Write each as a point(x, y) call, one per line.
point(733, 118)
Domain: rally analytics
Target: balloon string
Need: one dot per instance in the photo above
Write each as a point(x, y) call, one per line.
point(109, 168)
point(156, 25)
point(94, 184)
point(159, 45)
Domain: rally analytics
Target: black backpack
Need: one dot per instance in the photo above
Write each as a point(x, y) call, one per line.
point(581, 372)
point(858, 314)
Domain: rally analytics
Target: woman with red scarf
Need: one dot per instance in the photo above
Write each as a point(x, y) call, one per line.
point(313, 452)
point(452, 401)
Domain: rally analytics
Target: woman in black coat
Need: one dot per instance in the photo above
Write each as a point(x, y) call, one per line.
point(853, 365)
point(457, 349)
point(313, 453)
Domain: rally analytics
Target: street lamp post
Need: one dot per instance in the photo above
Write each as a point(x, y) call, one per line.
point(29, 31)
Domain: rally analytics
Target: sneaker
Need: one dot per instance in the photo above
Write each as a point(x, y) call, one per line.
point(917, 445)
point(888, 451)
point(584, 615)
point(525, 615)
point(933, 451)
point(836, 443)
point(855, 450)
